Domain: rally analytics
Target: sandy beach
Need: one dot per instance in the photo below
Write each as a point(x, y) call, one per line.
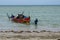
point(28, 35)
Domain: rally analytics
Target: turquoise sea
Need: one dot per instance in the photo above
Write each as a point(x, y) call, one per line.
point(48, 16)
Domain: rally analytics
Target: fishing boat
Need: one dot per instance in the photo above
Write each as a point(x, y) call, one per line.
point(25, 20)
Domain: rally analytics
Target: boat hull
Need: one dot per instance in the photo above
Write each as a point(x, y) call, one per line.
point(24, 20)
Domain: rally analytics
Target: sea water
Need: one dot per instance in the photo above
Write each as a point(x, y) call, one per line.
point(48, 17)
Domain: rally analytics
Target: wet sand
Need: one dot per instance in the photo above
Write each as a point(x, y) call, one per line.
point(28, 35)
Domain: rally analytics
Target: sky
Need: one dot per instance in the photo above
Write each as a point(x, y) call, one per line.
point(29, 2)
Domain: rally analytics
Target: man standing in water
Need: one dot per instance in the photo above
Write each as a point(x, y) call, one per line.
point(35, 22)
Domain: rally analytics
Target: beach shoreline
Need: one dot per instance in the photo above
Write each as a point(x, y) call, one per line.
point(28, 35)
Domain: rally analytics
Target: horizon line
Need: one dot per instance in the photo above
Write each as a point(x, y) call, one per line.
point(29, 5)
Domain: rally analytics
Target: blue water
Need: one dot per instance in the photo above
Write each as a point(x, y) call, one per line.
point(48, 16)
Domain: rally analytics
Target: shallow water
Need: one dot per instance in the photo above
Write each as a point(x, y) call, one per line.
point(48, 16)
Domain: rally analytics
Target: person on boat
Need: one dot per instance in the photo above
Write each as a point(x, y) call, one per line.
point(20, 16)
point(12, 16)
point(36, 21)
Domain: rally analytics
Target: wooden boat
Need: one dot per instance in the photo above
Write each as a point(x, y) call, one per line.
point(23, 20)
